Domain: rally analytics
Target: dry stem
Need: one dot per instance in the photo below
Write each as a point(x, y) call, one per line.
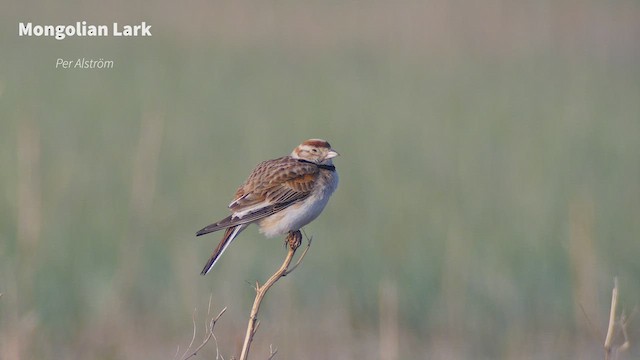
point(610, 352)
point(293, 239)
point(612, 319)
point(209, 335)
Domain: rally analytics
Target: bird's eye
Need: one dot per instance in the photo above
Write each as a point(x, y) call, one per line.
point(314, 150)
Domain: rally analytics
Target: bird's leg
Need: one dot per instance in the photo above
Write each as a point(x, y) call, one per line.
point(294, 239)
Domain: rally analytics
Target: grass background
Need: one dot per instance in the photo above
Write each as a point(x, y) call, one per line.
point(490, 177)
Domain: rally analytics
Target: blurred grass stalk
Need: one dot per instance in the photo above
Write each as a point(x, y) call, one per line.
point(118, 318)
point(389, 329)
point(17, 331)
point(586, 270)
point(143, 186)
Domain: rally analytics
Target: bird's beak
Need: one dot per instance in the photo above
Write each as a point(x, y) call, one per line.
point(331, 154)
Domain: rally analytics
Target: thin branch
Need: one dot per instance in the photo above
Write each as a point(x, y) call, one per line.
point(617, 326)
point(272, 352)
point(304, 253)
point(624, 323)
point(623, 326)
point(612, 320)
point(207, 338)
point(293, 239)
point(193, 338)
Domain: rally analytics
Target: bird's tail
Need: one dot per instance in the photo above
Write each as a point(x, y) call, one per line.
point(228, 237)
point(222, 224)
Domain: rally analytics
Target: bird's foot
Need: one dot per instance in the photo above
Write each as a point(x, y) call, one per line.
point(294, 239)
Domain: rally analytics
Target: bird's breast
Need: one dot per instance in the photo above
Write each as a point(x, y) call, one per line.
point(300, 214)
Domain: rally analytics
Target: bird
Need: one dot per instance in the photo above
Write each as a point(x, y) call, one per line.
point(280, 195)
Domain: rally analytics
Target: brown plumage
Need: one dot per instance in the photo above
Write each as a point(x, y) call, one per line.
point(281, 195)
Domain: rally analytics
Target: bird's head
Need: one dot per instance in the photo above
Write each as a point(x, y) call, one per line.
point(316, 151)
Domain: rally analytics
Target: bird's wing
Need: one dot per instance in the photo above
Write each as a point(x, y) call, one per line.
point(272, 186)
point(275, 183)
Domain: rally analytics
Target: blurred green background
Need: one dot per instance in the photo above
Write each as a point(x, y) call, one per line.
point(490, 178)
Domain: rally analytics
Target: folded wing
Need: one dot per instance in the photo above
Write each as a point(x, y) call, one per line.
point(272, 186)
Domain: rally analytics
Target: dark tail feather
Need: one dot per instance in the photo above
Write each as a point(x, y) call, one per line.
point(224, 223)
point(228, 237)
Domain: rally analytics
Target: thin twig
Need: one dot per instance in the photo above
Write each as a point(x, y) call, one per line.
point(272, 352)
point(612, 320)
point(193, 338)
point(623, 327)
point(617, 326)
point(304, 253)
point(293, 239)
point(210, 335)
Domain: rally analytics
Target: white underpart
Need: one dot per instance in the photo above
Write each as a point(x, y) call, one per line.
point(298, 215)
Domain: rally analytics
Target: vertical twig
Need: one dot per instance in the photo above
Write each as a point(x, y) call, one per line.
point(293, 239)
point(188, 353)
point(612, 320)
point(272, 352)
point(616, 325)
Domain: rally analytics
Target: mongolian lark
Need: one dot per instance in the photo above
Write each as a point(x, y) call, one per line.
point(281, 195)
